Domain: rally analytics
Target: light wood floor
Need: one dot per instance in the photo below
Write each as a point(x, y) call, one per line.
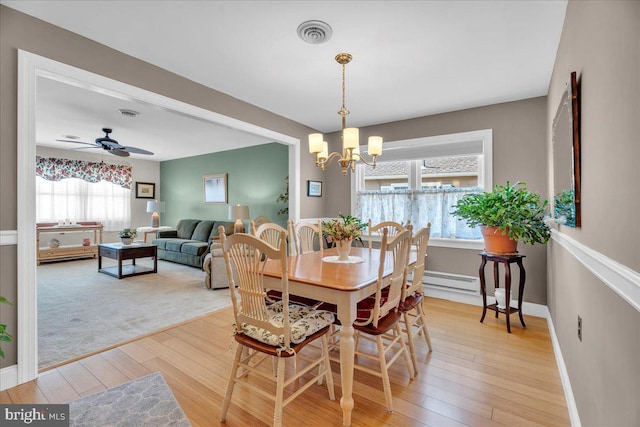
point(477, 375)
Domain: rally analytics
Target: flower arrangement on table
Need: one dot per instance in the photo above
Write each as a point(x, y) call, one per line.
point(127, 233)
point(345, 227)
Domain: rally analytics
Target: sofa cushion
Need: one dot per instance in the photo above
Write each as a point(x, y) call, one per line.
point(202, 231)
point(194, 248)
point(228, 229)
point(185, 228)
point(174, 245)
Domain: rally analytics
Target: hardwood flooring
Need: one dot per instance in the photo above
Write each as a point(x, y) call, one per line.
point(477, 375)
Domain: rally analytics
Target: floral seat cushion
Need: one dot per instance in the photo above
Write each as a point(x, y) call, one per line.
point(304, 322)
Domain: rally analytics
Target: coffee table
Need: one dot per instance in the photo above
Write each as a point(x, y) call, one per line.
point(120, 252)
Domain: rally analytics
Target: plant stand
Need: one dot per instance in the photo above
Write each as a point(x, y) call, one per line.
point(507, 260)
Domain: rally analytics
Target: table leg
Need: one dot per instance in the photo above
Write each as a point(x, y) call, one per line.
point(347, 315)
point(155, 261)
point(507, 292)
point(483, 289)
point(99, 260)
point(496, 279)
point(119, 265)
point(521, 290)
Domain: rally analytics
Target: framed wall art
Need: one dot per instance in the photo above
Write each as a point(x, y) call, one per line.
point(314, 188)
point(145, 190)
point(215, 188)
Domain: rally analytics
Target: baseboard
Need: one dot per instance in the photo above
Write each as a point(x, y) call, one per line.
point(574, 416)
point(528, 308)
point(8, 377)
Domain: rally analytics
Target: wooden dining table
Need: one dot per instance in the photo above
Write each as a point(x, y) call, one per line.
point(342, 284)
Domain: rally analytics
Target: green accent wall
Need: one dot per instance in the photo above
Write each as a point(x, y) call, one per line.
point(255, 177)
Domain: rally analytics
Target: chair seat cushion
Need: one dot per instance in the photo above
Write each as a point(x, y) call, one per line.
point(365, 307)
point(304, 322)
point(411, 302)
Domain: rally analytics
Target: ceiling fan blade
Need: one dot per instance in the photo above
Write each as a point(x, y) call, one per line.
point(120, 153)
point(111, 144)
point(77, 142)
point(86, 148)
point(137, 150)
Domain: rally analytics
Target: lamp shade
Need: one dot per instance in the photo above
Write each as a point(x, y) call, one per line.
point(238, 212)
point(155, 206)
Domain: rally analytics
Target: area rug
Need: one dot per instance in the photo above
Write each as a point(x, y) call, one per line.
point(81, 311)
point(146, 401)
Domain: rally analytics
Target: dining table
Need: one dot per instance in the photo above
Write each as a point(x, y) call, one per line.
point(341, 283)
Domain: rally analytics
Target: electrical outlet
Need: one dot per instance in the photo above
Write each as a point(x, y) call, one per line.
point(580, 328)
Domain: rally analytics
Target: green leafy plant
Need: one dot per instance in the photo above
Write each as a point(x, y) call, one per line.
point(346, 227)
point(4, 335)
point(516, 212)
point(127, 233)
point(564, 208)
point(284, 198)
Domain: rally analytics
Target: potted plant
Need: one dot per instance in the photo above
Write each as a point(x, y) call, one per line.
point(127, 235)
point(342, 231)
point(4, 335)
point(509, 213)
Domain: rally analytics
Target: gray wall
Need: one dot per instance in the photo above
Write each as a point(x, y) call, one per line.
point(255, 177)
point(519, 154)
point(601, 42)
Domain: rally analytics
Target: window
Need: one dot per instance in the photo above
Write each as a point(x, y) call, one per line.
point(79, 200)
point(422, 179)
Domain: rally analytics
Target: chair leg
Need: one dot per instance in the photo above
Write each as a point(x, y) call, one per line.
point(232, 382)
point(423, 327)
point(277, 415)
point(327, 367)
point(409, 327)
point(386, 384)
point(405, 352)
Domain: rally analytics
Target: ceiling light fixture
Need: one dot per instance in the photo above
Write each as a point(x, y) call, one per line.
point(350, 138)
point(129, 113)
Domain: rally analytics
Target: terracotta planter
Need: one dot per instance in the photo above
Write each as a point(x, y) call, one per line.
point(496, 243)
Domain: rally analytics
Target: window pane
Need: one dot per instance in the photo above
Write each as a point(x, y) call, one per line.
point(454, 171)
point(387, 176)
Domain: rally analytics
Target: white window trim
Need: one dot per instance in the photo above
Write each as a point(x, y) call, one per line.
point(485, 173)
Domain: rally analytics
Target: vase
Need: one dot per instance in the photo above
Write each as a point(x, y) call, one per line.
point(344, 248)
point(497, 243)
point(126, 240)
point(501, 300)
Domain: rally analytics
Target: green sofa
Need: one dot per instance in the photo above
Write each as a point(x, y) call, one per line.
point(190, 242)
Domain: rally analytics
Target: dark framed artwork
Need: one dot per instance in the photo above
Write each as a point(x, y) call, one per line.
point(314, 188)
point(215, 188)
point(145, 190)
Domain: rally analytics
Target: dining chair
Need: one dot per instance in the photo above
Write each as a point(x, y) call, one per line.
point(414, 318)
point(305, 235)
point(378, 317)
point(271, 332)
point(392, 227)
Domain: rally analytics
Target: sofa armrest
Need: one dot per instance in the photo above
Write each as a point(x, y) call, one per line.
point(168, 233)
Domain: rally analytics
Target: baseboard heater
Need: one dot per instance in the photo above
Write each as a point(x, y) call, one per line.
point(451, 282)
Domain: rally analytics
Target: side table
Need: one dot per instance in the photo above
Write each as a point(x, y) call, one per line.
point(148, 230)
point(506, 260)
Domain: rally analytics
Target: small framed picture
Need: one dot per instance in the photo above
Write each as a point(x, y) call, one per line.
point(145, 190)
point(215, 188)
point(314, 188)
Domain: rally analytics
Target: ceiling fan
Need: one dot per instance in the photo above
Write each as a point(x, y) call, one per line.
point(109, 144)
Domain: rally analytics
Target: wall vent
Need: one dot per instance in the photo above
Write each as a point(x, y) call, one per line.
point(451, 282)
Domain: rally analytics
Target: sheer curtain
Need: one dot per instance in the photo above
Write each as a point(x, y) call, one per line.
point(78, 200)
point(419, 206)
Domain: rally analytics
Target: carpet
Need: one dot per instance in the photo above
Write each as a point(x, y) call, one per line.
point(81, 311)
point(146, 401)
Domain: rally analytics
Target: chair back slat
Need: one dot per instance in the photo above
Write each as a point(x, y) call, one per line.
point(246, 256)
point(305, 234)
point(420, 241)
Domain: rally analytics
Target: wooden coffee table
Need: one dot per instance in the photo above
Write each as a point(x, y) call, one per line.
point(120, 252)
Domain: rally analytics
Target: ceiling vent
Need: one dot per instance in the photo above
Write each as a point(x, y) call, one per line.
point(314, 32)
point(129, 113)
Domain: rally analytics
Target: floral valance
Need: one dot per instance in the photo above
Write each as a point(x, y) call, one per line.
point(53, 169)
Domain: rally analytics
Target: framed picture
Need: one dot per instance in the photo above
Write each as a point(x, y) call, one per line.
point(215, 188)
point(145, 190)
point(314, 188)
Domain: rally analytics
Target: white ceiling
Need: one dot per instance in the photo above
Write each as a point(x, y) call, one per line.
point(411, 58)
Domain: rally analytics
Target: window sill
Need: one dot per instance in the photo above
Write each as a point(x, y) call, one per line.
point(457, 243)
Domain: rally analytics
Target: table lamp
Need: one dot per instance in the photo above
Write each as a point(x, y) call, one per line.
point(156, 207)
point(238, 212)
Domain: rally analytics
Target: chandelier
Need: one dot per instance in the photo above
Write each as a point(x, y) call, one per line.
point(350, 138)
